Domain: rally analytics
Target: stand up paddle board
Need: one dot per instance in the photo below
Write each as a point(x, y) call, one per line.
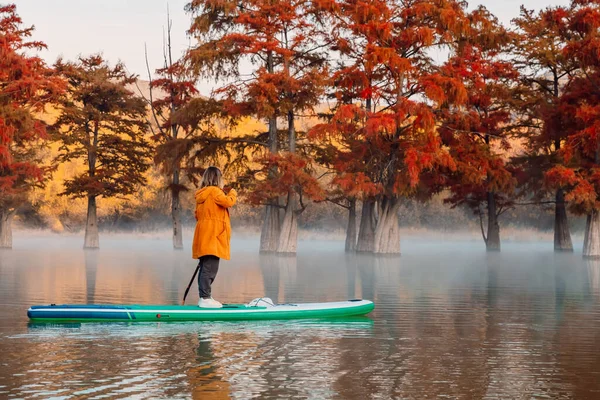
point(256, 309)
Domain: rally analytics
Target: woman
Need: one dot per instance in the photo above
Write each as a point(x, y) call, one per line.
point(213, 232)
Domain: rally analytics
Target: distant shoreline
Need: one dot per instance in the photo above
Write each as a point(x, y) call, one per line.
point(509, 234)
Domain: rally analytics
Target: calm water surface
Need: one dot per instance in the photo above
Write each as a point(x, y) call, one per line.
point(450, 322)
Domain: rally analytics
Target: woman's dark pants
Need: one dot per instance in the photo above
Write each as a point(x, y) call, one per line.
point(209, 266)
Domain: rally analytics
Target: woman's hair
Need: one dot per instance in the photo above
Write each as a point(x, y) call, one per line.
point(212, 177)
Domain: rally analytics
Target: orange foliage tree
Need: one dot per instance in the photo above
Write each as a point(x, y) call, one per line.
point(278, 42)
point(102, 124)
point(478, 130)
point(26, 86)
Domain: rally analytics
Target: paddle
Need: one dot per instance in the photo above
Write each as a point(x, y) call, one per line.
point(190, 284)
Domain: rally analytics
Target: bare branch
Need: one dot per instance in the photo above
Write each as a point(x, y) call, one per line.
point(302, 205)
point(337, 202)
point(536, 203)
point(150, 91)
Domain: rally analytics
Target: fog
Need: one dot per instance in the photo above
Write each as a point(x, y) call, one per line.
point(450, 320)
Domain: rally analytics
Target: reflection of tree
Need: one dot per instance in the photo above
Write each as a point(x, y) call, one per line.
point(180, 274)
point(280, 280)
point(351, 269)
point(593, 275)
point(560, 288)
point(270, 275)
point(7, 284)
point(91, 268)
point(287, 266)
point(366, 272)
point(576, 337)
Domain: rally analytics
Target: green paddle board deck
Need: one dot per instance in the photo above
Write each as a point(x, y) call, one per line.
point(229, 312)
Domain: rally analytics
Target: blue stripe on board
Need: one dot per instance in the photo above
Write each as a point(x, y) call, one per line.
point(75, 315)
point(86, 306)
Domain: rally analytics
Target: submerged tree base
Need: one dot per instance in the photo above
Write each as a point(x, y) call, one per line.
point(288, 234)
point(269, 235)
point(493, 239)
point(387, 232)
point(591, 242)
point(350, 244)
point(6, 230)
point(366, 233)
point(92, 237)
point(562, 236)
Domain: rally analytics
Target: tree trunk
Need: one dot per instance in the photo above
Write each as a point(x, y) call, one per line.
point(562, 236)
point(387, 231)
point(351, 230)
point(92, 240)
point(288, 235)
point(366, 232)
point(591, 243)
point(269, 234)
point(492, 241)
point(6, 218)
point(176, 213)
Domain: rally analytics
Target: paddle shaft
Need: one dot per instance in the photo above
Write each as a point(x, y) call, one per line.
point(190, 284)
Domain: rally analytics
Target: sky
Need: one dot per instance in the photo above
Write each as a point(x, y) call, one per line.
point(119, 29)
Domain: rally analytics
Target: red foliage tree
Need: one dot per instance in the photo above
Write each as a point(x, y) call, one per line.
point(578, 112)
point(26, 86)
point(102, 123)
point(477, 131)
point(384, 62)
point(546, 71)
point(341, 148)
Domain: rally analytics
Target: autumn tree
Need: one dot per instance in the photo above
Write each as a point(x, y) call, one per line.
point(477, 131)
point(175, 107)
point(341, 148)
point(227, 36)
point(340, 140)
point(277, 40)
point(102, 124)
point(386, 74)
point(27, 85)
point(578, 113)
point(545, 69)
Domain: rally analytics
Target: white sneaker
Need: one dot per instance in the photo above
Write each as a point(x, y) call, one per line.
point(209, 303)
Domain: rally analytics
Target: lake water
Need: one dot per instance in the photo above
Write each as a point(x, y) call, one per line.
point(450, 322)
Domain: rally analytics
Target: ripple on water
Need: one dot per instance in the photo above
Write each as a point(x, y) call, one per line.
point(450, 321)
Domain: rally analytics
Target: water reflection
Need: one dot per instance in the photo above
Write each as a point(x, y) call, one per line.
point(451, 321)
point(91, 268)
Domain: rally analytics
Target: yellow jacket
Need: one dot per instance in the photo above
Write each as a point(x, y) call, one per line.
point(213, 227)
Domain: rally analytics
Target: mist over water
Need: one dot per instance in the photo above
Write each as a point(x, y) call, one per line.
point(450, 321)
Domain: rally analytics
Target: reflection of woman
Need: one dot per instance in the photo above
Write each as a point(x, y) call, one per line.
point(205, 381)
point(213, 232)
